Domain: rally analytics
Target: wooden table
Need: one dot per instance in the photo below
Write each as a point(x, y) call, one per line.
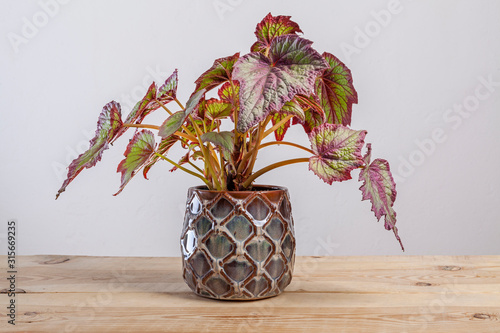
point(327, 294)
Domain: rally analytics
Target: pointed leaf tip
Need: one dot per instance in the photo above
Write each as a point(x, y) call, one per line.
point(109, 126)
point(380, 189)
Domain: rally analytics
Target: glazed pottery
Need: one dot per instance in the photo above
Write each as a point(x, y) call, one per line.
point(238, 245)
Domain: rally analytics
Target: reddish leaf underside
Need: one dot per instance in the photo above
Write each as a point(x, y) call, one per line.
point(220, 72)
point(139, 151)
point(337, 152)
point(336, 92)
point(267, 83)
point(271, 27)
point(379, 187)
point(108, 127)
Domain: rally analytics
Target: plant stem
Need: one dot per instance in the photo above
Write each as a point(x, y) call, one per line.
point(184, 169)
point(163, 106)
point(195, 166)
point(206, 155)
point(262, 171)
point(285, 143)
point(278, 125)
point(142, 126)
point(179, 103)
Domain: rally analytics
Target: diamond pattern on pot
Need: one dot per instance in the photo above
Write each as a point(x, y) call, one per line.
point(257, 285)
point(218, 285)
point(275, 267)
point(202, 226)
point(199, 264)
point(219, 245)
point(275, 228)
point(285, 208)
point(237, 245)
point(259, 210)
point(259, 249)
point(288, 246)
point(239, 227)
point(222, 208)
point(238, 270)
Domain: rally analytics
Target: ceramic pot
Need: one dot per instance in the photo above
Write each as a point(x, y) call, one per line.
point(238, 245)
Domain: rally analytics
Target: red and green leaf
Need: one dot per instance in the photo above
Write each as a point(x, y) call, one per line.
point(216, 109)
point(228, 94)
point(139, 152)
point(336, 92)
point(168, 91)
point(379, 187)
point(337, 152)
point(293, 108)
point(163, 148)
point(279, 133)
point(108, 127)
point(220, 72)
point(267, 83)
point(151, 101)
point(271, 27)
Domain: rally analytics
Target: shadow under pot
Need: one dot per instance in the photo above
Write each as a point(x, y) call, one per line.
point(238, 245)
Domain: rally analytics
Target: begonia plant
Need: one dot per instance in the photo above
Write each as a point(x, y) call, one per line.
point(282, 82)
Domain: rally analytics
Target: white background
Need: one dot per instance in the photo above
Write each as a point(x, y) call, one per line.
point(413, 70)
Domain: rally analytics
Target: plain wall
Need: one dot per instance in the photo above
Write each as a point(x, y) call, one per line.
point(421, 69)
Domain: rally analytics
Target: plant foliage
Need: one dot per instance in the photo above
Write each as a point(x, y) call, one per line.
point(282, 82)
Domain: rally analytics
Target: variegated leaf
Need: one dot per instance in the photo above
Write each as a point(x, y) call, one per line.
point(216, 109)
point(379, 187)
point(139, 152)
point(168, 91)
point(228, 94)
point(267, 83)
point(336, 92)
point(293, 108)
point(337, 152)
point(220, 72)
point(108, 126)
point(279, 133)
point(271, 27)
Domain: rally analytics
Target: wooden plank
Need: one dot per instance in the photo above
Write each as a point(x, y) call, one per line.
point(327, 294)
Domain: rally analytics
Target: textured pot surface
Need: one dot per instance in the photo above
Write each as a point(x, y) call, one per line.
point(238, 245)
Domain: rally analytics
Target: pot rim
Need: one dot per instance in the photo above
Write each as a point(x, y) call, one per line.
point(256, 189)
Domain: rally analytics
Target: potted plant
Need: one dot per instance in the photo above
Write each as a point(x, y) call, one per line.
point(238, 240)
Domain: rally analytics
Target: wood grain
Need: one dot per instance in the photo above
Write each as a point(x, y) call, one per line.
point(327, 294)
